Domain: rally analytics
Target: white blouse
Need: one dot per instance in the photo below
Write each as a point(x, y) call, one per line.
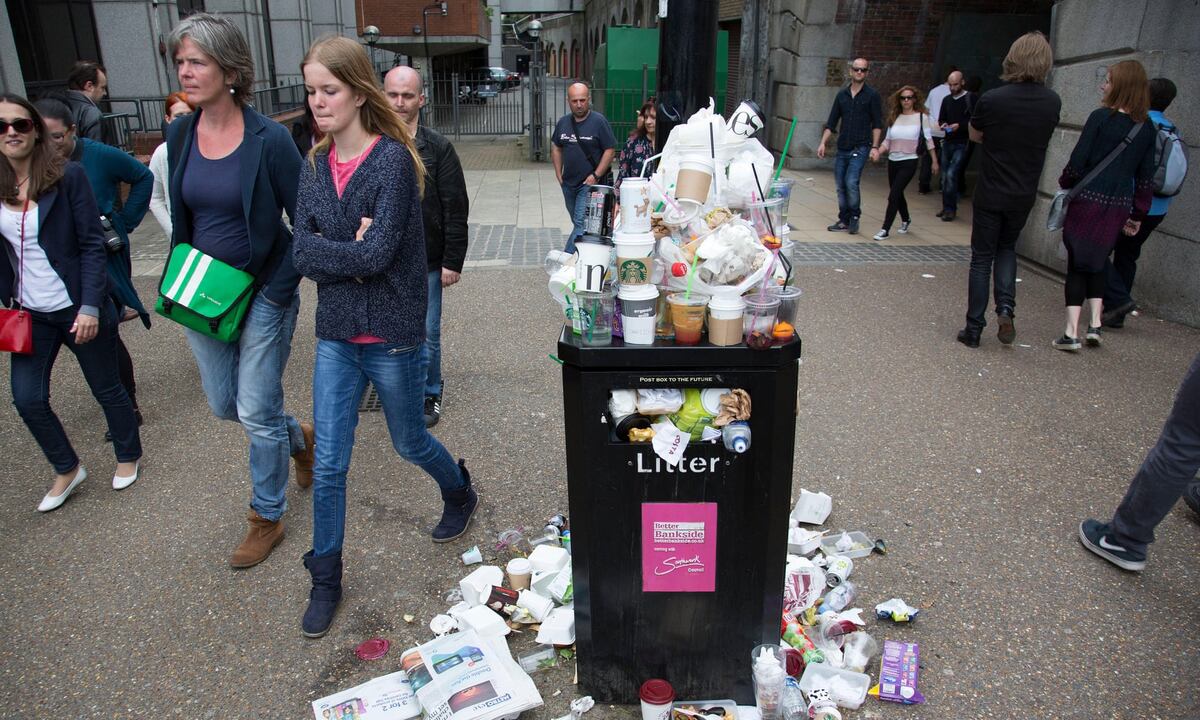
point(160, 196)
point(902, 136)
point(43, 289)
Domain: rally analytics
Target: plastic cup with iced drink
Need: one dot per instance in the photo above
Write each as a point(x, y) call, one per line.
point(789, 308)
point(758, 320)
point(594, 316)
point(687, 316)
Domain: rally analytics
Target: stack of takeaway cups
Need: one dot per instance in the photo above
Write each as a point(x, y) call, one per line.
point(725, 312)
point(635, 257)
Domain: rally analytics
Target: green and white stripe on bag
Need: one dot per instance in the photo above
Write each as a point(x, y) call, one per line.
point(204, 294)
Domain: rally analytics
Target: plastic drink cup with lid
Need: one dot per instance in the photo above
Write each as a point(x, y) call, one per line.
point(687, 316)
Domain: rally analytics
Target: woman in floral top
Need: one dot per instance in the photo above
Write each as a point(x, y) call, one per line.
point(639, 146)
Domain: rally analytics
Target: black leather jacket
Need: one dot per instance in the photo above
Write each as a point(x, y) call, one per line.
point(444, 206)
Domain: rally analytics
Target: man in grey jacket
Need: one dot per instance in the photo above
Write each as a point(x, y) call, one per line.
point(87, 85)
point(444, 210)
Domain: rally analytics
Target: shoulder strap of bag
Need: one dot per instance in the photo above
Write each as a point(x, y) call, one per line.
point(1105, 162)
point(21, 261)
point(595, 163)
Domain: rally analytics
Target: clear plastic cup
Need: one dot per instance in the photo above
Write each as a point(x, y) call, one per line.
point(687, 316)
point(594, 316)
point(789, 309)
point(758, 320)
point(769, 673)
point(782, 188)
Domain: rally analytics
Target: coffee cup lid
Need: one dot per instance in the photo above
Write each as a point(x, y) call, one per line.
point(657, 692)
point(727, 301)
point(637, 292)
point(519, 566)
point(710, 398)
point(620, 237)
point(593, 239)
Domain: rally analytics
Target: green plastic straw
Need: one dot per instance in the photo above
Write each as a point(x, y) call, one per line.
point(687, 295)
point(786, 144)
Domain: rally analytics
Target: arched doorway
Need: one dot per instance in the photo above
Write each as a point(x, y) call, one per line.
point(625, 16)
point(552, 65)
point(639, 14)
point(564, 65)
point(576, 59)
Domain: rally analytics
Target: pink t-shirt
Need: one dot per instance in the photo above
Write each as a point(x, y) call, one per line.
point(342, 172)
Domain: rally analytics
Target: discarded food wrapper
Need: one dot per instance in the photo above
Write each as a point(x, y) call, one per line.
point(802, 586)
point(372, 649)
point(442, 624)
point(898, 669)
point(704, 710)
point(812, 508)
point(538, 605)
point(851, 544)
point(548, 558)
point(858, 650)
point(669, 442)
point(561, 589)
point(710, 434)
point(804, 542)
point(581, 705)
point(559, 627)
point(897, 610)
point(659, 401)
point(409, 618)
point(735, 405)
point(478, 585)
point(472, 556)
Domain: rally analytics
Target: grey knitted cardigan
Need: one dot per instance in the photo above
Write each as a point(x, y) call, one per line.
point(376, 286)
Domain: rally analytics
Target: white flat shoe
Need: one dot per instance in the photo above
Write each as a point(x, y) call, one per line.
point(51, 502)
point(121, 482)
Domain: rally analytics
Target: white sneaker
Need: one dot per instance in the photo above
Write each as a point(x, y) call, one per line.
point(51, 502)
point(903, 229)
point(881, 235)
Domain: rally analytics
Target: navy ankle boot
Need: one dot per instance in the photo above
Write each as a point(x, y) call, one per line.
point(325, 595)
point(458, 507)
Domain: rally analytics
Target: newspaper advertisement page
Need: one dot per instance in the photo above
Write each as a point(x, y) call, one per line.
point(466, 677)
point(389, 697)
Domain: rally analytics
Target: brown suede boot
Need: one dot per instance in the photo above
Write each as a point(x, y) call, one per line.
point(303, 460)
point(261, 539)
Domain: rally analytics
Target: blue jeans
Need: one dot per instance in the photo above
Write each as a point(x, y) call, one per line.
point(339, 380)
point(431, 354)
point(952, 160)
point(30, 377)
point(847, 170)
point(576, 201)
point(244, 383)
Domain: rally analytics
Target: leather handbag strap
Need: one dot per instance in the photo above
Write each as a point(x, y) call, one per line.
point(21, 262)
point(1079, 186)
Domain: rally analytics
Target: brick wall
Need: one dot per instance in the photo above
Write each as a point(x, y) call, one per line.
point(901, 37)
point(398, 17)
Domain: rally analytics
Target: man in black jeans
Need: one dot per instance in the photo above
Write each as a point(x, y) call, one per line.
point(1168, 471)
point(1013, 124)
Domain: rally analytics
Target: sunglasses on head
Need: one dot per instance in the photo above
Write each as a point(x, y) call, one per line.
point(21, 125)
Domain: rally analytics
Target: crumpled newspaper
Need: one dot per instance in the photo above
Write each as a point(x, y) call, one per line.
point(735, 405)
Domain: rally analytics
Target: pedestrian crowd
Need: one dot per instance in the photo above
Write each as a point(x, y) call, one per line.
point(358, 170)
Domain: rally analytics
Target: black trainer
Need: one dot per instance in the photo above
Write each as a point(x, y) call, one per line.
point(1095, 536)
point(1067, 343)
point(1191, 498)
point(1092, 337)
point(852, 228)
point(838, 226)
point(433, 410)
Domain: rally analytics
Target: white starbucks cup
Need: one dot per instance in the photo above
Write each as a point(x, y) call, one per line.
point(639, 305)
point(635, 205)
point(635, 261)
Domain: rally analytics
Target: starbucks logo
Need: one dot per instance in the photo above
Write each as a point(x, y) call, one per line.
point(633, 271)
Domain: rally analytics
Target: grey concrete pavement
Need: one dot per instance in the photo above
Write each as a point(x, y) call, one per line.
point(975, 465)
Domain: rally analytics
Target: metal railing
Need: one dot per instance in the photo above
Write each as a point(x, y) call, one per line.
point(470, 104)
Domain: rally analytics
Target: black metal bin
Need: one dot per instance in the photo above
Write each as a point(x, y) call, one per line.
point(700, 641)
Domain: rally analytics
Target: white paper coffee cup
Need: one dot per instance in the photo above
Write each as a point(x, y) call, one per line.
point(593, 262)
point(639, 304)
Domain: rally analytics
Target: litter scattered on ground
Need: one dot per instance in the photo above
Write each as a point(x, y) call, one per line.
point(896, 610)
point(928, 276)
point(372, 649)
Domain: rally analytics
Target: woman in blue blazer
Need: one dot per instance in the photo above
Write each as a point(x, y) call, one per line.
point(53, 265)
point(233, 174)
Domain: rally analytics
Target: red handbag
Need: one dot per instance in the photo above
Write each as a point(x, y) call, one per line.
point(16, 326)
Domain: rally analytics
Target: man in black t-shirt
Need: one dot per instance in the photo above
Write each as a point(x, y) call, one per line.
point(1013, 125)
point(582, 152)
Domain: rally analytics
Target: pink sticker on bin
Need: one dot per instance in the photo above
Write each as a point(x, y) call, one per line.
point(679, 547)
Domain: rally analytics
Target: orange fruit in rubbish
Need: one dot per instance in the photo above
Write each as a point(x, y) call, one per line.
point(783, 331)
point(771, 242)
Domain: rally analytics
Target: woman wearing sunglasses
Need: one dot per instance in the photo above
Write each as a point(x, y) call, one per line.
point(53, 265)
point(908, 137)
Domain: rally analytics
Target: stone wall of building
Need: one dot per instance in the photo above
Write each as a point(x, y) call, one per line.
point(1164, 35)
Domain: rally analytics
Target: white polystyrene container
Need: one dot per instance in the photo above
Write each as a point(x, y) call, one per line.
point(848, 689)
point(863, 545)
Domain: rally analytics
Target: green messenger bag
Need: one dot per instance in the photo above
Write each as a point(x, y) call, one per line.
point(204, 294)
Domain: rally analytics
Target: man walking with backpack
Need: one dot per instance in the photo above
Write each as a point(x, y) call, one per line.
point(1170, 154)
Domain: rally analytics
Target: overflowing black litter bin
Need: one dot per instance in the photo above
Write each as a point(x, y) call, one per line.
point(678, 571)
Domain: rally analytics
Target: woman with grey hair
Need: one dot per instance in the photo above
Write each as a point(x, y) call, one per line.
point(232, 174)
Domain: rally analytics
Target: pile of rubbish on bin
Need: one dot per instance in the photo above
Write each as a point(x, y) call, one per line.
point(699, 250)
point(670, 418)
